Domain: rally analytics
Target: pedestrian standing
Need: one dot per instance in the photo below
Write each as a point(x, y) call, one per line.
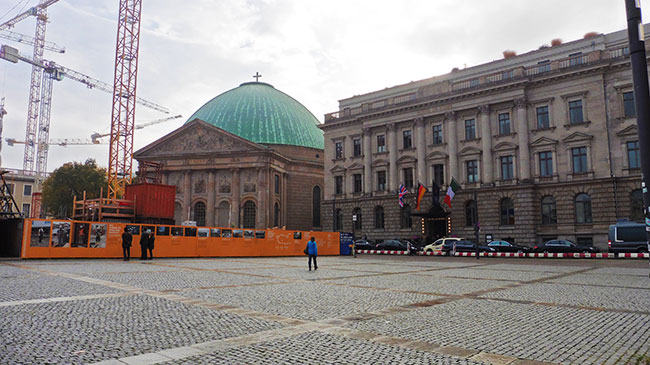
point(41, 232)
point(150, 240)
point(477, 252)
point(144, 245)
point(126, 244)
point(312, 250)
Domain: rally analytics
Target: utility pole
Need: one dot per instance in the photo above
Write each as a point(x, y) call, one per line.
point(635, 36)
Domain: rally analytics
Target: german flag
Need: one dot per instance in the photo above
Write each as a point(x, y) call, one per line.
point(421, 191)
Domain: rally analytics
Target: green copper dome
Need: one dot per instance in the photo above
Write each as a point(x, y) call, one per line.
point(260, 113)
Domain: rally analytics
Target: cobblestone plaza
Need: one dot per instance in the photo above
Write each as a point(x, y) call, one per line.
point(368, 310)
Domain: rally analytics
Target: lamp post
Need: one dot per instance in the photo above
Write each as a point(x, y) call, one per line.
point(635, 36)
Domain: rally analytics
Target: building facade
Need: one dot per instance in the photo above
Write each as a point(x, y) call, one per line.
point(251, 157)
point(544, 145)
point(22, 186)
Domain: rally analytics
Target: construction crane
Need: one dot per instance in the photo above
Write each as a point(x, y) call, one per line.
point(22, 38)
point(34, 11)
point(96, 136)
point(53, 71)
point(2, 114)
point(63, 142)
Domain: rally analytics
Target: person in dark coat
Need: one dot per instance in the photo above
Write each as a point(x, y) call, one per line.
point(127, 238)
point(144, 245)
point(150, 240)
point(312, 250)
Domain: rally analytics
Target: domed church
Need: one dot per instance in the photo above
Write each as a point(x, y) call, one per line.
point(252, 157)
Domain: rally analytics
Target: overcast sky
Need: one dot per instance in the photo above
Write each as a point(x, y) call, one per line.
point(316, 51)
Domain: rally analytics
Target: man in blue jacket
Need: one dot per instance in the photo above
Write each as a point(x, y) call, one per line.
point(312, 249)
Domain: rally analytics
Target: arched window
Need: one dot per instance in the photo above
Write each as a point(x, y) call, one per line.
point(223, 215)
point(315, 204)
point(405, 217)
point(199, 214)
point(507, 212)
point(276, 214)
point(249, 214)
point(338, 220)
point(379, 217)
point(357, 223)
point(549, 212)
point(636, 205)
point(583, 208)
point(470, 213)
point(178, 213)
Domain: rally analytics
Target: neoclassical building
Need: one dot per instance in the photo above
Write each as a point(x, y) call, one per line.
point(252, 157)
point(544, 145)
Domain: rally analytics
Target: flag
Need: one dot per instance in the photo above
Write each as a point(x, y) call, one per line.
point(451, 191)
point(421, 191)
point(402, 192)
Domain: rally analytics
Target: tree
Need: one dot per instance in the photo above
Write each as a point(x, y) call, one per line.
point(70, 180)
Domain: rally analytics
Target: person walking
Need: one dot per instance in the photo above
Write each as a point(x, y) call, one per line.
point(150, 240)
point(126, 244)
point(312, 250)
point(41, 233)
point(144, 245)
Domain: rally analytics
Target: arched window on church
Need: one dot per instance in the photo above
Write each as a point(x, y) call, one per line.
point(223, 215)
point(315, 213)
point(276, 214)
point(199, 214)
point(636, 206)
point(249, 214)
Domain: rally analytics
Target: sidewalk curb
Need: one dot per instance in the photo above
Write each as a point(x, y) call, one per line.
point(603, 255)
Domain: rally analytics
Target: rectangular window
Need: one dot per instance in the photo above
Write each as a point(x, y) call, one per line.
point(507, 171)
point(472, 171)
point(357, 183)
point(543, 121)
point(338, 147)
point(381, 180)
point(26, 210)
point(546, 163)
point(10, 188)
point(338, 181)
point(357, 147)
point(628, 104)
point(633, 156)
point(439, 174)
point(544, 66)
point(408, 177)
point(579, 156)
point(575, 112)
point(470, 129)
point(407, 139)
point(504, 123)
point(27, 190)
point(381, 143)
point(276, 179)
point(437, 134)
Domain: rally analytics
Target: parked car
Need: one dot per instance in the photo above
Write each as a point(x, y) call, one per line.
point(364, 245)
point(464, 245)
point(563, 246)
point(437, 245)
point(505, 246)
point(394, 245)
point(412, 247)
point(627, 237)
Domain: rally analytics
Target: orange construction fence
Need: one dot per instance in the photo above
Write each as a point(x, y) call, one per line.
point(80, 239)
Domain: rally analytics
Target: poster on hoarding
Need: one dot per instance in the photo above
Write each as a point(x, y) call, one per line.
point(61, 234)
point(81, 233)
point(98, 236)
point(204, 232)
point(40, 235)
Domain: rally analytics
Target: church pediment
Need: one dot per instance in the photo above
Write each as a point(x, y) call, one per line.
point(629, 131)
point(543, 141)
point(197, 138)
point(577, 136)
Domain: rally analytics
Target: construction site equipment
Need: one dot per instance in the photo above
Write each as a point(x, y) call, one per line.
point(60, 142)
point(22, 38)
point(8, 206)
point(103, 209)
point(154, 203)
point(96, 136)
point(2, 114)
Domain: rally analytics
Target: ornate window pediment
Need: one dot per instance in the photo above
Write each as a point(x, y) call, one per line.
point(629, 131)
point(470, 151)
point(355, 166)
point(505, 146)
point(337, 168)
point(544, 142)
point(380, 162)
point(577, 137)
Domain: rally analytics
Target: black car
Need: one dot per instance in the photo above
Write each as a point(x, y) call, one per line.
point(563, 246)
point(393, 245)
point(505, 246)
point(411, 245)
point(464, 246)
point(364, 245)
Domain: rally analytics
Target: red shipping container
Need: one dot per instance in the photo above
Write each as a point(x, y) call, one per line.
point(152, 200)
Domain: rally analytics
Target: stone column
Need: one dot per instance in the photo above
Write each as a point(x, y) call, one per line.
point(421, 149)
point(486, 143)
point(209, 215)
point(452, 145)
point(234, 216)
point(262, 191)
point(522, 133)
point(393, 177)
point(284, 200)
point(367, 161)
point(187, 195)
